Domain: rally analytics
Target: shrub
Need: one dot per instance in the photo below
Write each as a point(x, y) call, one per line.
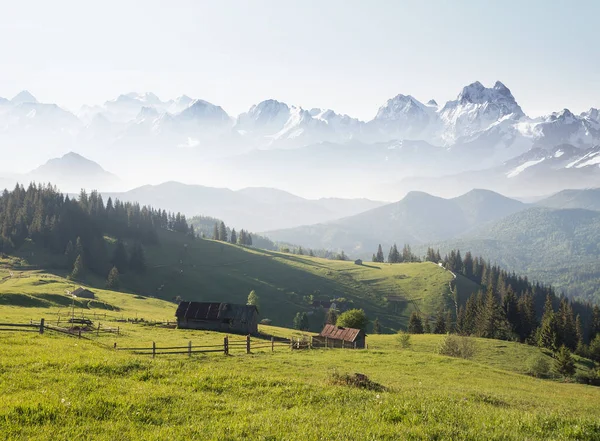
point(538, 366)
point(359, 381)
point(403, 339)
point(455, 346)
point(353, 318)
point(591, 377)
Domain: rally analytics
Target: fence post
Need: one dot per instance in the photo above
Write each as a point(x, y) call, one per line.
point(272, 344)
point(153, 349)
point(190, 348)
point(118, 330)
point(98, 330)
point(326, 342)
point(247, 344)
point(291, 343)
point(354, 345)
point(226, 345)
point(41, 326)
point(311, 342)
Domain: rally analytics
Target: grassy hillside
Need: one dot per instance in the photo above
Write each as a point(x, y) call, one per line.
point(215, 271)
point(89, 391)
point(560, 247)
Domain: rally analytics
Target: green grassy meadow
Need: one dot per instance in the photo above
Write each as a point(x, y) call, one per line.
point(206, 270)
point(62, 388)
point(59, 387)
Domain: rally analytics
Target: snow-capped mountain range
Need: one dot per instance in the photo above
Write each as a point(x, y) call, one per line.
point(484, 127)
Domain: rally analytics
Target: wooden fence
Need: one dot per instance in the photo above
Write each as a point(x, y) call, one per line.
point(24, 327)
point(226, 347)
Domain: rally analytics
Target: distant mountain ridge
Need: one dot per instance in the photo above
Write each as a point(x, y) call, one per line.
point(407, 140)
point(416, 219)
point(255, 209)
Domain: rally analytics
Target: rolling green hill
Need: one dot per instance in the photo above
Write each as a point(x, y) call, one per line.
point(560, 247)
point(215, 271)
point(60, 388)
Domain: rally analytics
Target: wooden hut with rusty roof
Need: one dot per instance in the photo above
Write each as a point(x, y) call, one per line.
point(222, 317)
point(339, 337)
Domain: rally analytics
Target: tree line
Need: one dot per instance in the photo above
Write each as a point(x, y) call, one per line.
point(510, 307)
point(395, 256)
point(75, 227)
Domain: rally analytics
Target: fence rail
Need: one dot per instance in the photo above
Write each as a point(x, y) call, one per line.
point(248, 344)
point(20, 327)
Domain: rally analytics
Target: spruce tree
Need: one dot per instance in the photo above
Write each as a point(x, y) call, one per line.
point(137, 261)
point(548, 332)
point(222, 232)
point(567, 327)
point(379, 255)
point(120, 258)
point(233, 238)
point(426, 326)
point(332, 316)
point(563, 363)
point(78, 268)
point(112, 282)
point(376, 326)
point(253, 299)
point(415, 325)
point(70, 254)
point(595, 325)
point(440, 323)
point(216, 231)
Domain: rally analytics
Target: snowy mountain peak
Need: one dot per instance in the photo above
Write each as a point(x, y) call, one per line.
point(593, 114)
point(147, 113)
point(400, 105)
point(432, 102)
point(24, 97)
point(200, 110)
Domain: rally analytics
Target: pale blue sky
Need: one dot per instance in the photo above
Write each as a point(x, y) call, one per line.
point(347, 55)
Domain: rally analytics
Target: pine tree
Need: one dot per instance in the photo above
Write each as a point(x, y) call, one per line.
point(566, 324)
point(112, 282)
point(527, 316)
point(511, 311)
point(415, 325)
point(222, 232)
point(78, 268)
point(440, 323)
point(233, 238)
point(137, 261)
point(426, 326)
point(253, 299)
point(548, 332)
point(376, 326)
point(595, 325)
point(301, 321)
point(563, 363)
point(70, 254)
point(379, 256)
point(216, 231)
point(120, 258)
point(332, 316)
point(492, 321)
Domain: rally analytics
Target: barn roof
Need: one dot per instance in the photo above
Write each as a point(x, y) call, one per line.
point(339, 333)
point(214, 311)
point(80, 291)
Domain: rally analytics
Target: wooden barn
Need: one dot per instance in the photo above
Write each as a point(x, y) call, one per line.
point(338, 337)
point(223, 317)
point(83, 293)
